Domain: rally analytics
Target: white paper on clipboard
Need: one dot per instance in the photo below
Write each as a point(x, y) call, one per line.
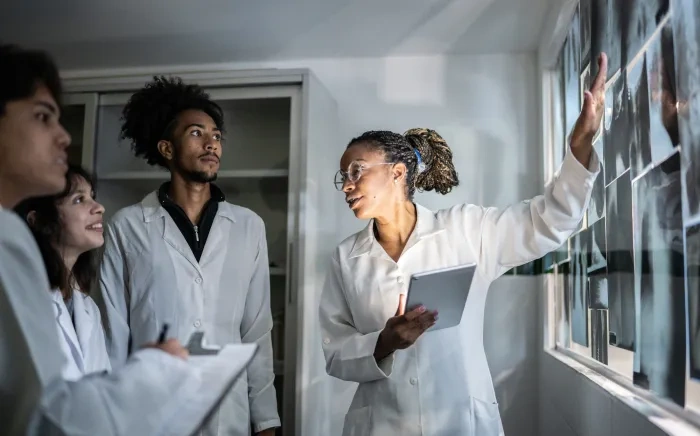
point(218, 372)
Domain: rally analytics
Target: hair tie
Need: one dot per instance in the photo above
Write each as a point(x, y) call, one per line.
point(421, 164)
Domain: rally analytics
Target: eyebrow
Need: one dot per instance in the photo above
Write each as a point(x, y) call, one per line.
point(353, 161)
point(201, 126)
point(51, 107)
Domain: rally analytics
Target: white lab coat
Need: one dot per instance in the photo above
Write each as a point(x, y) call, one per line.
point(140, 398)
point(149, 277)
point(82, 342)
point(441, 385)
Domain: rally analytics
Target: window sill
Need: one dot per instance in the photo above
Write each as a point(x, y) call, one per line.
point(665, 415)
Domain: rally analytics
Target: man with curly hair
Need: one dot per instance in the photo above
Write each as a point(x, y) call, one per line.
point(185, 257)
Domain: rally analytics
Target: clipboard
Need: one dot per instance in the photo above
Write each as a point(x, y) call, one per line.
point(197, 346)
point(217, 374)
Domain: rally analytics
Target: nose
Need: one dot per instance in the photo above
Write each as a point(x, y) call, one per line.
point(348, 186)
point(98, 209)
point(63, 137)
point(211, 144)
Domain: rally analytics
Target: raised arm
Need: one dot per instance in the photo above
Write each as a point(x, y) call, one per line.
point(112, 297)
point(527, 231)
point(256, 326)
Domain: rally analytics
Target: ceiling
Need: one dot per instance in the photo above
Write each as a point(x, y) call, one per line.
point(102, 33)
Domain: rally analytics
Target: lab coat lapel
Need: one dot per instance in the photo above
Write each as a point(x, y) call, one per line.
point(84, 323)
point(363, 242)
point(173, 236)
point(219, 232)
point(67, 330)
point(152, 210)
point(427, 225)
point(367, 244)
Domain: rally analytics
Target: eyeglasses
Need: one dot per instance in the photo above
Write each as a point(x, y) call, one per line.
point(353, 173)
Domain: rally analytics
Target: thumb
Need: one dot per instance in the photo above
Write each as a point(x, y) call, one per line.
point(402, 305)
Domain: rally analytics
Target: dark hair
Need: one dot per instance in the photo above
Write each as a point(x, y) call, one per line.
point(150, 114)
point(47, 228)
point(439, 173)
point(23, 71)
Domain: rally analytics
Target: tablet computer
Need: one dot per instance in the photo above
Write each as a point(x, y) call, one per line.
point(444, 290)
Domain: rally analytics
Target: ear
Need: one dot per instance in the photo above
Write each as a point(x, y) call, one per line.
point(31, 218)
point(165, 148)
point(398, 171)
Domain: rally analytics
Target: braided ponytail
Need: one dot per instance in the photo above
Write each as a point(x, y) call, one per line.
point(425, 153)
point(440, 174)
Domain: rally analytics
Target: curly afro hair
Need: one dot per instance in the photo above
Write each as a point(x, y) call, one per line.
point(150, 114)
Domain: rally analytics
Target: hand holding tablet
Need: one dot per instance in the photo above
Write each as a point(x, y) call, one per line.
point(443, 290)
point(403, 329)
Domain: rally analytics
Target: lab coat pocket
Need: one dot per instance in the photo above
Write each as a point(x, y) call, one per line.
point(357, 422)
point(486, 420)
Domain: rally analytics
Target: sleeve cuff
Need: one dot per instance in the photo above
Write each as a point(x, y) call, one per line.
point(572, 166)
point(272, 423)
point(382, 369)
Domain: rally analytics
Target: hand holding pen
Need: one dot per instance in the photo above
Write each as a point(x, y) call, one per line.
point(171, 346)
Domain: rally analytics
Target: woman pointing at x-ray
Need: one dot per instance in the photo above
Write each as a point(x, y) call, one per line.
point(438, 383)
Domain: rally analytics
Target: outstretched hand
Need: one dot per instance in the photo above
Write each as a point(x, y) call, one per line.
point(589, 120)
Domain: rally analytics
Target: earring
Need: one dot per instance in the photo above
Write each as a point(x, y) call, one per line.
point(396, 181)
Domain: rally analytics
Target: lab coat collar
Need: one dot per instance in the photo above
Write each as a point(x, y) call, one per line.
point(68, 330)
point(152, 209)
point(427, 225)
point(84, 321)
point(227, 210)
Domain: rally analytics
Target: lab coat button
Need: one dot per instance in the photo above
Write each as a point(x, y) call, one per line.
point(326, 341)
point(414, 380)
point(400, 280)
point(197, 323)
point(198, 280)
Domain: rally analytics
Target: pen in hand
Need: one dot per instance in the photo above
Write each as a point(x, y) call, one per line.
point(163, 333)
point(170, 346)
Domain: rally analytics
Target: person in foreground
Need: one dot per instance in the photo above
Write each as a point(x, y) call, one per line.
point(155, 385)
point(185, 256)
point(438, 383)
point(68, 230)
